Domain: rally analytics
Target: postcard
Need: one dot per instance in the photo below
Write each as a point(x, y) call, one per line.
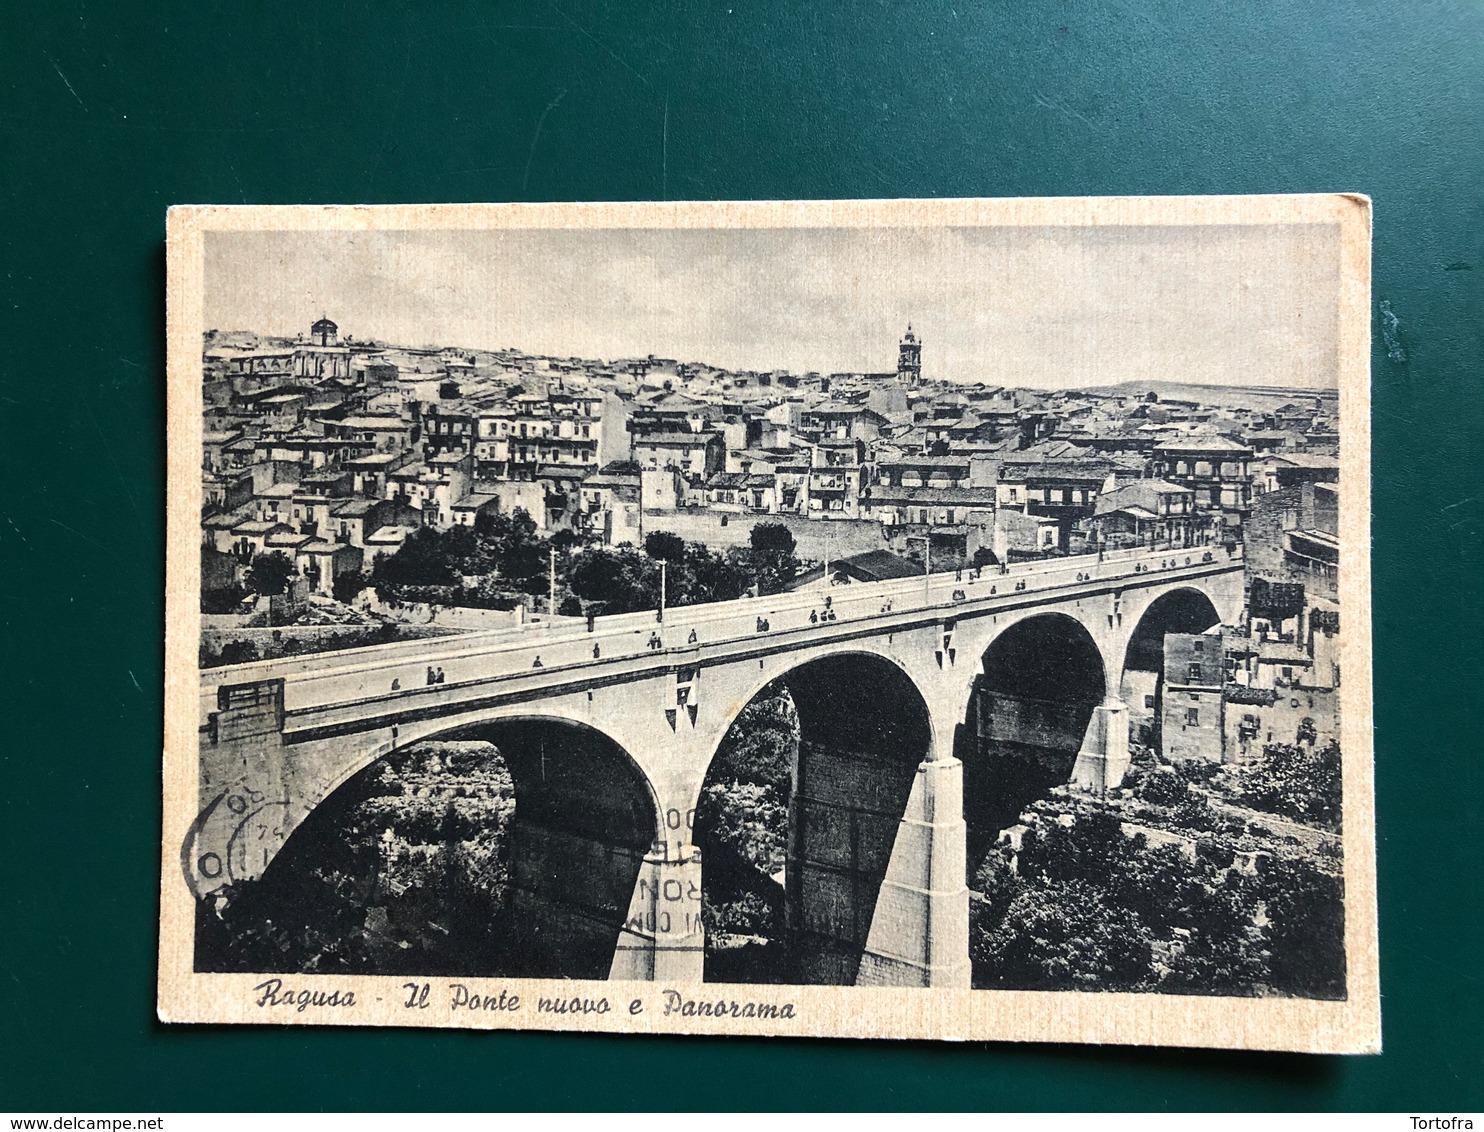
point(882, 619)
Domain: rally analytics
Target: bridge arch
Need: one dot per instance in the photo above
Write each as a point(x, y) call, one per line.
point(797, 830)
point(1039, 682)
point(585, 816)
point(1141, 681)
point(875, 653)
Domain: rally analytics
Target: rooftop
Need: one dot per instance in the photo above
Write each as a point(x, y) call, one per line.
point(675, 439)
point(475, 500)
point(391, 534)
point(354, 508)
point(1198, 444)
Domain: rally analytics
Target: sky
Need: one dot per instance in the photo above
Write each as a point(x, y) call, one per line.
point(1042, 307)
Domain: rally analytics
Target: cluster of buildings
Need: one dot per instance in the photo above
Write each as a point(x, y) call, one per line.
point(332, 450)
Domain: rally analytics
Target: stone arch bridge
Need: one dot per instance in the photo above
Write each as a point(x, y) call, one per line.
point(609, 734)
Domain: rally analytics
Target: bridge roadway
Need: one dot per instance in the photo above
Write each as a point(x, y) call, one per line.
point(334, 692)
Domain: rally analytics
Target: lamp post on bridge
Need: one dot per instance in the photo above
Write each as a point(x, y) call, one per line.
point(661, 617)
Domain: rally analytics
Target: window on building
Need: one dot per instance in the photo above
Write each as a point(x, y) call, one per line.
point(1149, 702)
point(1198, 645)
point(1195, 673)
point(1192, 717)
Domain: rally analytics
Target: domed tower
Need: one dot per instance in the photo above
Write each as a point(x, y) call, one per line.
point(324, 333)
point(909, 360)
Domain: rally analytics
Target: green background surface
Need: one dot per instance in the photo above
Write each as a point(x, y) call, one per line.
point(109, 114)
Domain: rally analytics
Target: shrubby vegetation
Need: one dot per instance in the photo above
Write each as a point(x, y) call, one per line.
point(501, 559)
point(773, 557)
point(1298, 782)
point(222, 599)
point(1087, 906)
point(1092, 909)
point(269, 574)
point(243, 650)
point(742, 829)
point(404, 870)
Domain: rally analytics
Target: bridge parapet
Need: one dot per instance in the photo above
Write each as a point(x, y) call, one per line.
point(519, 662)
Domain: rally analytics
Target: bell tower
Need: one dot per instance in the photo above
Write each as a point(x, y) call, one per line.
point(324, 333)
point(909, 360)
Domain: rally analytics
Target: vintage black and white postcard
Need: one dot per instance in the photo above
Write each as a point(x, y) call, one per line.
point(919, 619)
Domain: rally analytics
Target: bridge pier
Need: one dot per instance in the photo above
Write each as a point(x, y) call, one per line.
point(662, 940)
point(843, 824)
point(1103, 759)
point(920, 932)
point(567, 899)
point(244, 789)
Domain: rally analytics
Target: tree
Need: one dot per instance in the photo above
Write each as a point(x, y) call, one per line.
point(704, 575)
point(345, 587)
point(1223, 952)
point(1161, 787)
point(421, 560)
point(512, 546)
point(664, 546)
point(269, 574)
point(620, 578)
point(1297, 782)
point(224, 599)
point(773, 556)
point(1062, 936)
point(760, 746)
point(1307, 930)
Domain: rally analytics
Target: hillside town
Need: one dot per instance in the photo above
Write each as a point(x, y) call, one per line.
point(327, 455)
